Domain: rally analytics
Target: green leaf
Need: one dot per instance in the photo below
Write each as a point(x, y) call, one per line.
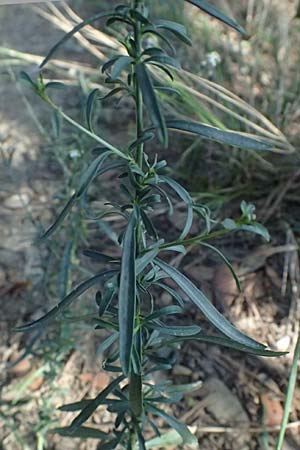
point(81, 432)
point(212, 11)
point(127, 294)
point(119, 65)
point(226, 261)
point(93, 405)
point(175, 330)
point(164, 59)
point(151, 102)
point(90, 173)
point(107, 343)
point(25, 77)
point(215, 134)
point(177, 29)
point(71, 33)
point(182, 388)
point(55, 85)
point(164, 311)
point(253, 227)
point(225, 342)
point(59, 219)
point(107, 299)
point(98, 256)
point(76, 406)
point(186, 198)
point(187, 436)
point(90, 107)
point(67, 301)
point(64, 272)
point(172, 292)
point(143, 261)
point(211, 313)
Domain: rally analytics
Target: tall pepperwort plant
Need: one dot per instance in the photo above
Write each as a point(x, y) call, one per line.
point(127, 306)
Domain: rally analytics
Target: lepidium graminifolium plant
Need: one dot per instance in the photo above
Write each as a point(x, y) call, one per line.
point(127, 304)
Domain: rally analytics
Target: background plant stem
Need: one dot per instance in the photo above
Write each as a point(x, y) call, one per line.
point(289, 395)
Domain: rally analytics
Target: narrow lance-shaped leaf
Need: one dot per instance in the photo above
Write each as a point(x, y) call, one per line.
point(202, 302)
point(90, 107)
point(151, 102)
point(87, 177)
point(177, 29)
point(81, 432)
point(212, 11)
point(225, 342)
point(67, 301)
point(127, 294)
point(120, 64)
point(93, 405)
point(187, 436)
point(185, 196)
point(226, 261)
point(59, 220)
point(71, 33)
point(225, 137)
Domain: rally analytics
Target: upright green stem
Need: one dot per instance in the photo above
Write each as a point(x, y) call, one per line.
point(136, 382)
point(138, 92)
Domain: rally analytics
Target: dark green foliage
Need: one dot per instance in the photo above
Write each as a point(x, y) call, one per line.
point(127, 305)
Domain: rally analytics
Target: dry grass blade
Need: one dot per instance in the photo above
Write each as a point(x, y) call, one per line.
point(218, 100)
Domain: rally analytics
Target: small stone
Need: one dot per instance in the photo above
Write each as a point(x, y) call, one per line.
point(179, 370)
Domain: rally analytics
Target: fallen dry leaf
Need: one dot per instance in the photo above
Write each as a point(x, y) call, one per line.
point(224, 285)
point(21, 368)
point(273, 410)
point(221, 403)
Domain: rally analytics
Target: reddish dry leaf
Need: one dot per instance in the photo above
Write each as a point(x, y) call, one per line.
point(273, 410)
point(21, 368)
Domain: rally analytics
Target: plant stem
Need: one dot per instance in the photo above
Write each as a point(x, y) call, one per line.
point(136, 382)
point(138, 92)
point(289, 395)
point(92, 135)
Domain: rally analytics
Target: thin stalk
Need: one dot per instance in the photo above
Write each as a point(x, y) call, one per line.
point(289, 395)
point(196, 239)
point(94, 136)
point(136, 381)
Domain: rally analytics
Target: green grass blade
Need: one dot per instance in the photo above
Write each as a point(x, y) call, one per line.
point(289, 395)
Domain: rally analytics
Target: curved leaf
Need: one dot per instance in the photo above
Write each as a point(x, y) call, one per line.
point(185, 196)
point(59, 219)
point(89, 108)
point(81, 432)
point(151, 102)
point(226, 261)
point(211, 313)
point(93, 405)
point(225, 137)
point(225, 342)
point(212, 11)
point(71, 33)
point(187, 436)
point(67, 301)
